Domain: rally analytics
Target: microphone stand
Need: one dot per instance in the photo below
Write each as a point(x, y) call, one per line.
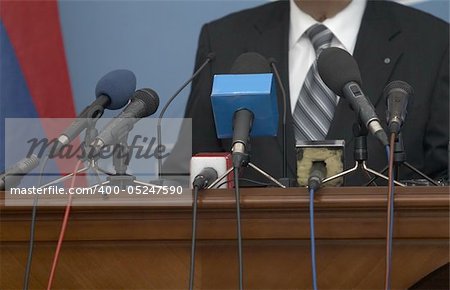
point(285, 180)
point(121, 159)
point(360, 155)
point(91, 133)
point(246, 162)
point(400, 160)
point(210, 57)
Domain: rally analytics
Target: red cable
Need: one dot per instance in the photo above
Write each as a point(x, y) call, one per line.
point(63, 229)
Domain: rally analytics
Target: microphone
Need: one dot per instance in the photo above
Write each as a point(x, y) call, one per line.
point(144, 103)
point(113, 91)
point(207, 176)
point(209, 58)
point(340, 72)
point(245, 103)
point(13, 176)
point(397, 94)
point(219, 161)
point(317, 175)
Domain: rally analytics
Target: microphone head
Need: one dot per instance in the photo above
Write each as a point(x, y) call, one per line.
point(211, 56)
point(219, 161)
point(250, 63)
point(337, 68)
point(250, 85)
point(402, 86)
point(397, 95)
point(207, 176)
point(119, 85)
point(150, 99)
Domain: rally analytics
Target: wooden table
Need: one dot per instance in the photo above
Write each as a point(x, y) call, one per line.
point(148, 247)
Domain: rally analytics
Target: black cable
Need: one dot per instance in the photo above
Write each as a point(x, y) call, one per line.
point(26, 278)
point(194, 231)
point(238, 221)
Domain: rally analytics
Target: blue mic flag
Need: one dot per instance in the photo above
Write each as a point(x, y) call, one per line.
point(254, 92)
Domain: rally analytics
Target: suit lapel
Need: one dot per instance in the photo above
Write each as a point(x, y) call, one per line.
point(378, 49)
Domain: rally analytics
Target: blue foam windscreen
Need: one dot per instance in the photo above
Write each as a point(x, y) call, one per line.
point(254, 92)
point(119, 85)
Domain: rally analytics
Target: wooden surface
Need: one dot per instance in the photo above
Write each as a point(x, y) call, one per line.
point(148, 247)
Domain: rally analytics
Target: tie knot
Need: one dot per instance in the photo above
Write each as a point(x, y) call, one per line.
point(320, 37)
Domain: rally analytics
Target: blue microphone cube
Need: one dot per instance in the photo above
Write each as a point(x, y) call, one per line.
point(254, 92)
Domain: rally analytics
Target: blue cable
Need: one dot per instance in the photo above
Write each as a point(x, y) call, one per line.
point(312, 237)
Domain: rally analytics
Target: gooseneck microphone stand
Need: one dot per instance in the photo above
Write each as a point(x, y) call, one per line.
point(360, 155)
point(400, 161)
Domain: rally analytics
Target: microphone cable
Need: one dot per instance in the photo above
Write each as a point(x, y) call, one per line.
point(316, 177)
point(201, 181)
point(194, 230)
point(238, 221)
point(26, 277)
point(390, 213)
point(312, 237)
point(193, 242)
point(63, 228)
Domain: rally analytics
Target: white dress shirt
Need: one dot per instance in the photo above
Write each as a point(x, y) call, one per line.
point(344, 25)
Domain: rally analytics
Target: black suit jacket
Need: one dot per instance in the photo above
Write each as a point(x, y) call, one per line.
point(394, 43)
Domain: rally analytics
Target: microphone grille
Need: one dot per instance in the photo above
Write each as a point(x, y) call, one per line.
point(399, 85)
point(337, 68)
point(250, 63)
point(150, 99)
point(119, 85)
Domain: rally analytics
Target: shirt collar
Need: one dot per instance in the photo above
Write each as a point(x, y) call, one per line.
point(344, 25)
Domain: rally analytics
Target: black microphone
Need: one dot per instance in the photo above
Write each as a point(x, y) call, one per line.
point(210, 57)
point(144, 103)
point(246, 63)
point(317, 174)
point(397, 94)
point(340, 72)
point(207, 176)
point(242, 125)
point(113, 91)
point(13, 176)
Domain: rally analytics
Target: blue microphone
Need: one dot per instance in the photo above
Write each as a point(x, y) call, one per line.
point(118, 87)
point(113, 91)
point(245, 103)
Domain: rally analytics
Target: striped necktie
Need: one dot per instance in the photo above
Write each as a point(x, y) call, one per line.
point(316, 103)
